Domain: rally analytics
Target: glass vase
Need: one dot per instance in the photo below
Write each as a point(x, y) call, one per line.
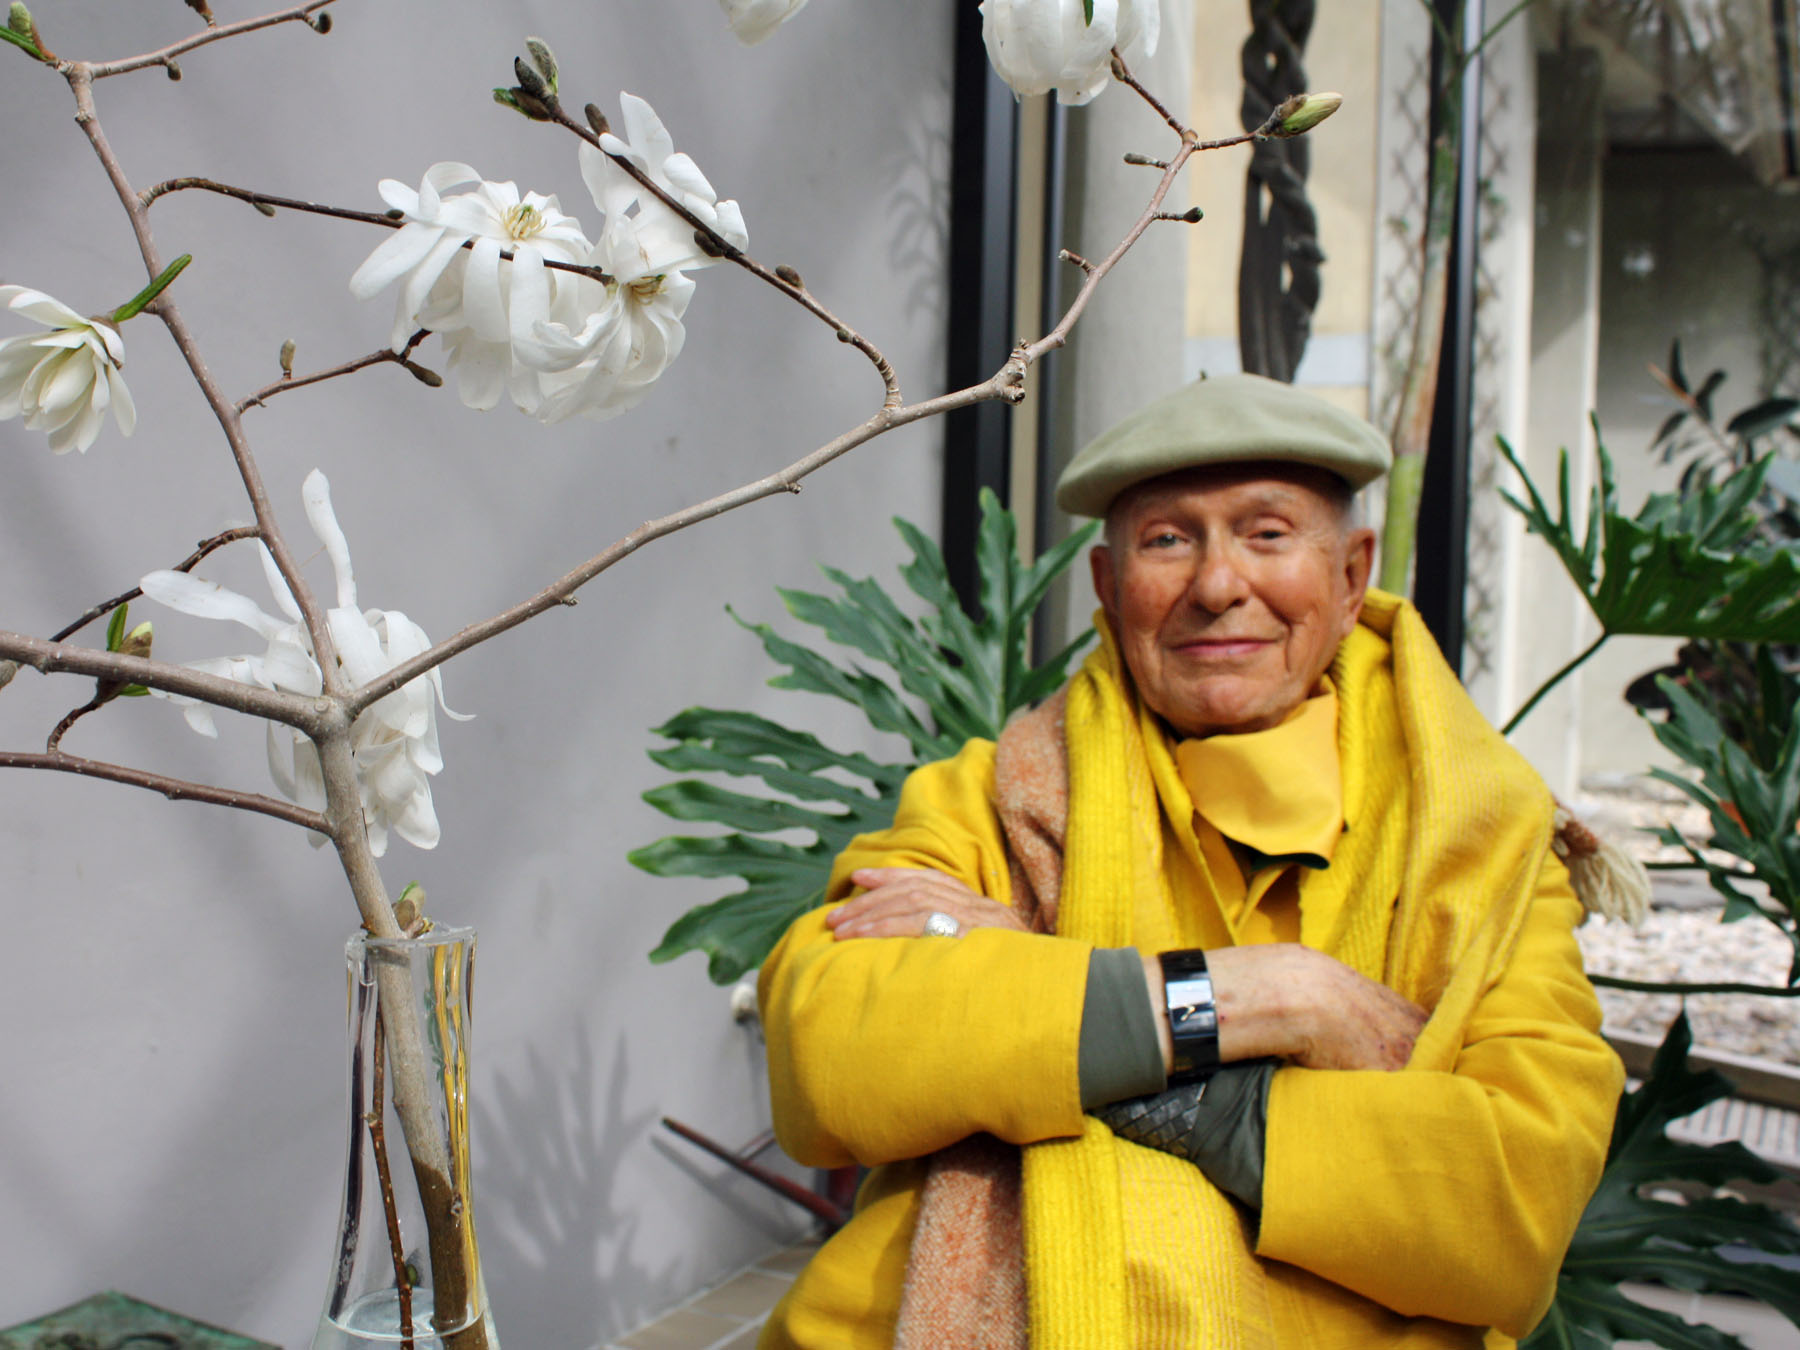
point(407, 1274)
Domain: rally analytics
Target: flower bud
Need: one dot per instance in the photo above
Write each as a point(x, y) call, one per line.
point(1301, 113)
point(287, 359)
point(425, 376)
point(544, 59)
point(529, 80)
point(597, 119)
point(708, 245)
point(8, 669)
point(790, 276)
point(172, 68)
point(137, 641)
point(410, 907)
point(321, 22)
point(203, 9)
point(18, 19)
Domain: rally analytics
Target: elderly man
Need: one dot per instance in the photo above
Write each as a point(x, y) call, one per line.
point(1231, 1000)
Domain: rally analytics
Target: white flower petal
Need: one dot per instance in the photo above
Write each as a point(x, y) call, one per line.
point(483, 306)
point(189, 594)
point(315, 496)
point(124, 410)
point(393, 258)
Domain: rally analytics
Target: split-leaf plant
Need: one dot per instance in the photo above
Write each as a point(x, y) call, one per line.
point(949, 676)
point(1702, 563)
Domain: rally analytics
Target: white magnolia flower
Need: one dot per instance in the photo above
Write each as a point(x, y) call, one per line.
point(1040, 45)
point(426, 254)
point(63, 381)
point(647, 144)
point(394, 741)
point(755, 20)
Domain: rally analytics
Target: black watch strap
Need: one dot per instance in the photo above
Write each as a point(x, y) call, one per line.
point(1193, 1016)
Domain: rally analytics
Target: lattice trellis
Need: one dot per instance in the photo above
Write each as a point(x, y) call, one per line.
point(1483, 599)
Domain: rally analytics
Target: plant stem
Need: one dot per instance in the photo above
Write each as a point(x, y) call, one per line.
point(81, 78)
point(287, 382)
point(298, 14)
point(168, 185)
point(1569, 668)
point(175, 789)
point(1418, 390)
point(187, 564)
point(1677, 987)
point(724, 248)
point(385, 1175)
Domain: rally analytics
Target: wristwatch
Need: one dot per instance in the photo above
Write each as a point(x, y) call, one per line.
point(1193, 1017)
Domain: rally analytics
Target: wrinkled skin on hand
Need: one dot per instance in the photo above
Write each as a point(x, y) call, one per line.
point(896, 901)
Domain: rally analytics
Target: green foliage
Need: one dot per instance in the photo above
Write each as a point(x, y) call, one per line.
point(1751, 793)
point(1631, 1231)
point(949, 677)
point(1686, 565)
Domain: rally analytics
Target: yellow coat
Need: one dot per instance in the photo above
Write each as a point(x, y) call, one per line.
point(1417, 1208)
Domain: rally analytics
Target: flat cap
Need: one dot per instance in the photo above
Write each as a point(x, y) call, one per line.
point(1227, 419)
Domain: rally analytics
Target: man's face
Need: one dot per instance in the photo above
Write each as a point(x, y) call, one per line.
point(1230, 589)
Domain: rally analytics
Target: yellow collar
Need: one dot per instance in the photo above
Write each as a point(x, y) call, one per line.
point(1278, 792)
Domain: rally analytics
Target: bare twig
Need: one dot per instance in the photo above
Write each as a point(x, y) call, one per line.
point(54, 740)
point(80, 78)
point(314, 716)
point(1069, 255)
point(262, 200)
point(1659, 987)
point(175, 789)
point(403, 1285)
point(376, 358)
point(99, 70)
point(187, 564)
point(795, 289)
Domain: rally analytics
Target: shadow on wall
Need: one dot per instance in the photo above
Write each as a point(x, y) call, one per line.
point(919, 236)
point(552, 1237)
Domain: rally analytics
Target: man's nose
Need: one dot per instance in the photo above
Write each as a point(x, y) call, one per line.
point(1219, 582)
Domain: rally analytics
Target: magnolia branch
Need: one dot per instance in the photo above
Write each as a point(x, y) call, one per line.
point(375, 358)
point(784, 279)
point(1008, 384)
point(99, 70)
point(262, 200)
point(175, 789)
point(187, 564)
point(316, 716)
point(230, 421)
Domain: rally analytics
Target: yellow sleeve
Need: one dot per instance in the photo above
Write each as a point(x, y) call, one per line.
point(889, 1048)
point(1454, 1195)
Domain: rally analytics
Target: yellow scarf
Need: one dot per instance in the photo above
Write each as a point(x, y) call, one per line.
point(1446, 831)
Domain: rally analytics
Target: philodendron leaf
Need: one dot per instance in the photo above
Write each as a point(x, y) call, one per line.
point(1682, 567)
point(115, 629)
point(1626, 1233)
point(936, 681)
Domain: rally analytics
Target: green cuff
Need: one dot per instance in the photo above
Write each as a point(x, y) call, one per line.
point(1230, 1125)
point(1121, 1054)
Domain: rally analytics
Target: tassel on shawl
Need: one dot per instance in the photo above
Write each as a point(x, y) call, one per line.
point(1608, 881)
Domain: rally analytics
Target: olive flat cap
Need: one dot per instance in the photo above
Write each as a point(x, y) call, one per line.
point(1228, 419)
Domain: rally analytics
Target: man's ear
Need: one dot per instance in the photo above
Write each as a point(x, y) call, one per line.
point(1100, 564)
point(1359, 565)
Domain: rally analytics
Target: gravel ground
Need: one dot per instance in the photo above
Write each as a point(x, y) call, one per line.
point(1682, 939)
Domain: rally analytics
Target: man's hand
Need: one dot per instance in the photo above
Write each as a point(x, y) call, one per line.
point(896, 901)
point(1297, 1004)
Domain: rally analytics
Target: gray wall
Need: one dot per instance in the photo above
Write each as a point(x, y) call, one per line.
point(172, 1070)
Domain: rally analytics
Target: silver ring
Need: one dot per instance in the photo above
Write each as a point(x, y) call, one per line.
point(940, 924)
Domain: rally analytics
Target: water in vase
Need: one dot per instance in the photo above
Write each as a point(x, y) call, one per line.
point(374, 1323)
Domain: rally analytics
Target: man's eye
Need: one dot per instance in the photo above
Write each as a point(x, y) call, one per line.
point(1167, 539)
